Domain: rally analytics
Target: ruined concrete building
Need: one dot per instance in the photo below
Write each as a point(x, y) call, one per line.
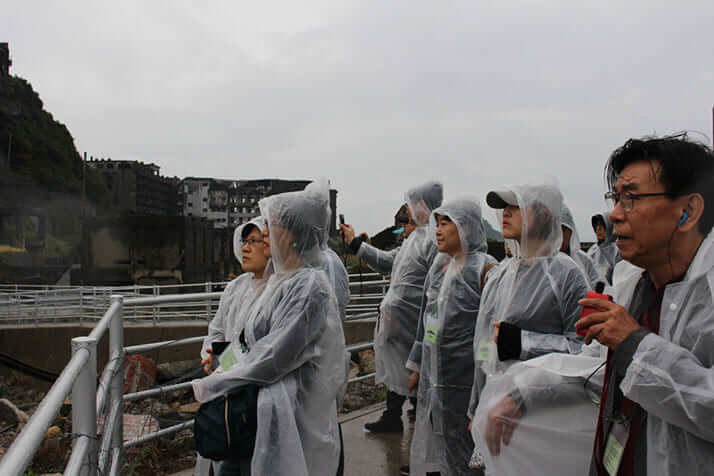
point(230, 203)
point(137, 188)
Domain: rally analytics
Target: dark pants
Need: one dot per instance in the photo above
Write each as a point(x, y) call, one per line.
point(394, 405)
point(341, 466)
point(232, 466)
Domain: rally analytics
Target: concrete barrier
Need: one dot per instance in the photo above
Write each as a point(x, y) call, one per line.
point(48, 347)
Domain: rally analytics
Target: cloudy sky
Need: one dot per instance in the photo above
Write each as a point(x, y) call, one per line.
point(375, 96)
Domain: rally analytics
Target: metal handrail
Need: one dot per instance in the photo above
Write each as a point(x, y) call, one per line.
point(20, 453)
point(33, 304)
point(80, 377)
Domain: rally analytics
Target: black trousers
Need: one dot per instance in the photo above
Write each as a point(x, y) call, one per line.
point(394, 405)
point(232, 466)
point(341, 467)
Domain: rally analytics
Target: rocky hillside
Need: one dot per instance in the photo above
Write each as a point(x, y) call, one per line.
point(41, 148)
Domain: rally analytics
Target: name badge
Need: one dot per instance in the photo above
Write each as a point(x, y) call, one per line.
point(615, 448)
point(486, 351)
point(227, 359)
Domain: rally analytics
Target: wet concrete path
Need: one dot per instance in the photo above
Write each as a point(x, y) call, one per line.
point(368, 454)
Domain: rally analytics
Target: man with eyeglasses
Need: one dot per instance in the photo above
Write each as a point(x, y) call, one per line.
point(657, 403)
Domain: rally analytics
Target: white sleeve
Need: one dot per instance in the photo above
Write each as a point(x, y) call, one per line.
point(670, 382)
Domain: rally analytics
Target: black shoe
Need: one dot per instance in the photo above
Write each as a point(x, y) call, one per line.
point(385, 426)
point(404, 470)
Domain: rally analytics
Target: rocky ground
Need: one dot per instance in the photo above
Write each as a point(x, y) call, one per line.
point(165, 456)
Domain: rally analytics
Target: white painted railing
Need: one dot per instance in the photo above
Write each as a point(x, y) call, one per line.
point(46, 304)
point(95, 452)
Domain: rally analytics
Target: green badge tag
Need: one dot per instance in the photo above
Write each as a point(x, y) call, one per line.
point(486, 351)
point(227, 359)
point(615, 448)
point(431, 334)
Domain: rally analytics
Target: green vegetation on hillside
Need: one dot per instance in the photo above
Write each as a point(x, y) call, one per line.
point(41, 148)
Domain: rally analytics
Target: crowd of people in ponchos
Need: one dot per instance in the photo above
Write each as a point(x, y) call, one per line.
point(552, 361)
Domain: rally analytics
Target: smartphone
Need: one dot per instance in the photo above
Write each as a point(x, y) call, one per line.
point(597, 294)
point(218, 347)
point(342, 219)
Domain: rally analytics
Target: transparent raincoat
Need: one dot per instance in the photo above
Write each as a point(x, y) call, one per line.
point(233, 309)
point(399, 311)
point(574, 251)
point(556, 396)
point(331, 263)
point(671, 375)
point(237, 297)
point(443, 350)
point(537, 290)
point(296, 349)
point(605, 255)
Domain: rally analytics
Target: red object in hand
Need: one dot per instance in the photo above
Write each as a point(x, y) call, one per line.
point(589, 310)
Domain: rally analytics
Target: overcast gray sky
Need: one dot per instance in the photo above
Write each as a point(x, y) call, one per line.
point(375, 96)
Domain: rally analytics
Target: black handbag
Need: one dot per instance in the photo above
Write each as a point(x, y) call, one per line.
point(227, 425)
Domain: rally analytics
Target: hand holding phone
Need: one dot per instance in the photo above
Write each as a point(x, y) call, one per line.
point(597, 294)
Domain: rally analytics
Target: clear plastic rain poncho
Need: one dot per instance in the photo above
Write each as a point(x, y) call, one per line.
point(556, 396)
point(331, 263)
point(443, 350)
point(296, 348)
point(536, 290)
point(237, 297)
point(605, 255)
point(671, 375)
point(574, 251)
point(399, 311)
point(233, 310)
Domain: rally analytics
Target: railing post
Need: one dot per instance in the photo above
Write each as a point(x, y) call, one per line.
point(209, 302)
point(81, 302)
point(154, 308)
point(116, 389)
point(84, 403)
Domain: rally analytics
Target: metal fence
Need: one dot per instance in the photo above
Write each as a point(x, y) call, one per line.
point(28, 304)
point(100, 449)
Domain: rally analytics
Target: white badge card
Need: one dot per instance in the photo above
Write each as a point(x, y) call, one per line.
point(486, 351)
point(431, 334)
point(615, 447)
point(227, 359)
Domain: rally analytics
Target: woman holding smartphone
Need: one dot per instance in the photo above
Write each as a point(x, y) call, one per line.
point(294, 347)
point(228, 323)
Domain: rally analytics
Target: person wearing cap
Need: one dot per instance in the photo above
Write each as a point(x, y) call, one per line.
point(399, 311)
point(529, 305)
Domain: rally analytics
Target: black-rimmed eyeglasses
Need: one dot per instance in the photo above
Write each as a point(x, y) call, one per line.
point(627, 199)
